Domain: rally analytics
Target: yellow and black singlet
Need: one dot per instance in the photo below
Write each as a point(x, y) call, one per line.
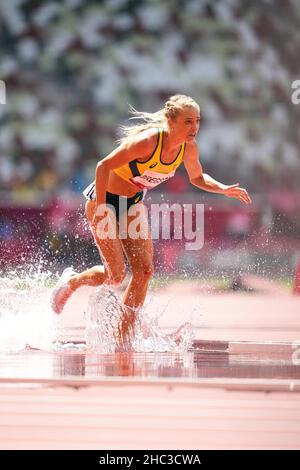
point(148, 174)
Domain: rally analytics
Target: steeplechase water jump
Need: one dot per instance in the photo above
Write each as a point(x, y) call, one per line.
point(149, 225)
point(149, 154)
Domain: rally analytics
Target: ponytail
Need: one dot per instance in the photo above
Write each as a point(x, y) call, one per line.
point(159, 119)
point(151, 120)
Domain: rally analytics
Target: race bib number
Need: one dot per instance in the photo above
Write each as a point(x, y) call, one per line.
point(150, 179)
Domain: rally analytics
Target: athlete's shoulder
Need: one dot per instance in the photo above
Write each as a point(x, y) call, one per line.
point(147, 138)
point(151, 134)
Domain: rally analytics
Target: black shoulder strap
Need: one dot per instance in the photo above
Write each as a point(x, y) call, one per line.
point(134, 168)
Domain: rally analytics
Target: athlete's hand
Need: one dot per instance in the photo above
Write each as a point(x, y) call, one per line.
point(235, 191)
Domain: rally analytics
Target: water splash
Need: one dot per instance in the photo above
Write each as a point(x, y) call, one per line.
point(27, 321)
point(103, 316)
point(149, 337)
point(25, 316)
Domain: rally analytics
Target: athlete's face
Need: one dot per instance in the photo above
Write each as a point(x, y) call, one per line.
point(186, 124)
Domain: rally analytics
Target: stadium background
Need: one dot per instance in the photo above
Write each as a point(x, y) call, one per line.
point(70, 69)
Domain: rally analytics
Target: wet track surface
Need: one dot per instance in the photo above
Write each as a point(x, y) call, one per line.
point(263, 364)
point(236, 388)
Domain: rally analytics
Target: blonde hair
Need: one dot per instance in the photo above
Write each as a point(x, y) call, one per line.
point(170, 110)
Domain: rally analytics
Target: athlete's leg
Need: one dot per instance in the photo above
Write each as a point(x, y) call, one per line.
point(113, 271)
point(139, 253)
point(111, 252)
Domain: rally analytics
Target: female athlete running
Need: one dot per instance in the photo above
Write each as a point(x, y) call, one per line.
point(148, 155)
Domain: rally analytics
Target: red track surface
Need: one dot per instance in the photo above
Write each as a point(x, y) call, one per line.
point(238, 389)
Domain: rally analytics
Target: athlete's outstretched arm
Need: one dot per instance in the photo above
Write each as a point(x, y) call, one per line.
point(207, 183)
